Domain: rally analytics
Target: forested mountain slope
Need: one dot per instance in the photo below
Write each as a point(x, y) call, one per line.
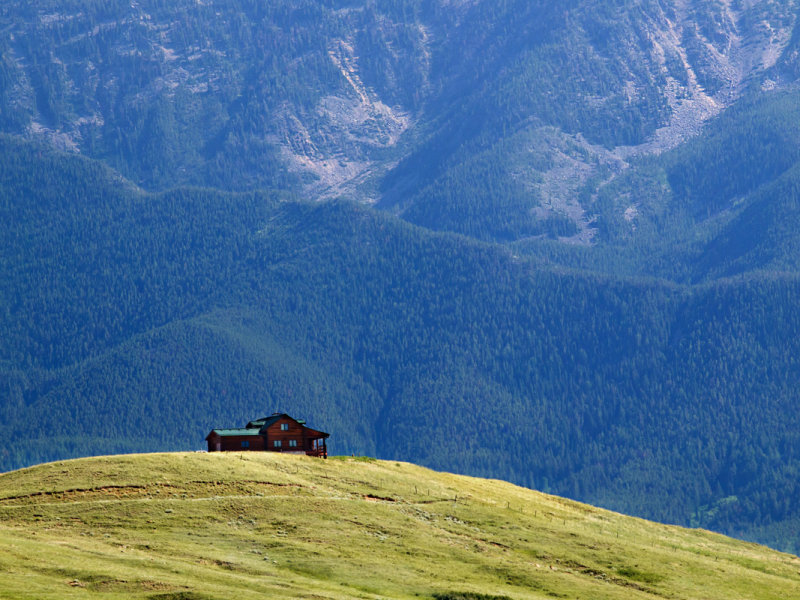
point(722, 204)
point(495, 120)
point(631, 340)
point(138, 321)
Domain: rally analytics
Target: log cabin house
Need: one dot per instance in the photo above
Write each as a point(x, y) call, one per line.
point(276, 433)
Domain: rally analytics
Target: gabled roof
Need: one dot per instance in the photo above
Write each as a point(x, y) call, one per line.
point(266, 421)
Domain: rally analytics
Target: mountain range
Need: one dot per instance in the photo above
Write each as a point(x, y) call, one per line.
point(554, 243)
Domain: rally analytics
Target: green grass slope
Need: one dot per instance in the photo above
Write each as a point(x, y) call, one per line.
point(256, 525)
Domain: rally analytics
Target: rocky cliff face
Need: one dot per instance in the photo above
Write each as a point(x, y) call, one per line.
point(296, 94)
point(605, 83)
point(178, 93)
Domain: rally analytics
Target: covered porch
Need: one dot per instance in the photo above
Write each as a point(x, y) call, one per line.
point(317, 447)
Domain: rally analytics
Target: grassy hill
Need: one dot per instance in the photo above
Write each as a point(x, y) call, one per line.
point(194, 525)
point(133, 322)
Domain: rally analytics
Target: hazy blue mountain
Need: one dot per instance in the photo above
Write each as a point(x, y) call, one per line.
point(721, 204)
point(496, 120)
point(581, 274)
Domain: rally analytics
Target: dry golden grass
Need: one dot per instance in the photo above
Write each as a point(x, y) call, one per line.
point(256, 525)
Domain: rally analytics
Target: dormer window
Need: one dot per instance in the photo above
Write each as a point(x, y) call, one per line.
point(284, 427)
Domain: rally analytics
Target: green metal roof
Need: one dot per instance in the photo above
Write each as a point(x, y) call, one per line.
point(267, 421)
point(227, 432)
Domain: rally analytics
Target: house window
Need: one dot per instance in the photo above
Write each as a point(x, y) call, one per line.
point(284, 427)
point(293, 443)
point(245, 444)
point(276, 444)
